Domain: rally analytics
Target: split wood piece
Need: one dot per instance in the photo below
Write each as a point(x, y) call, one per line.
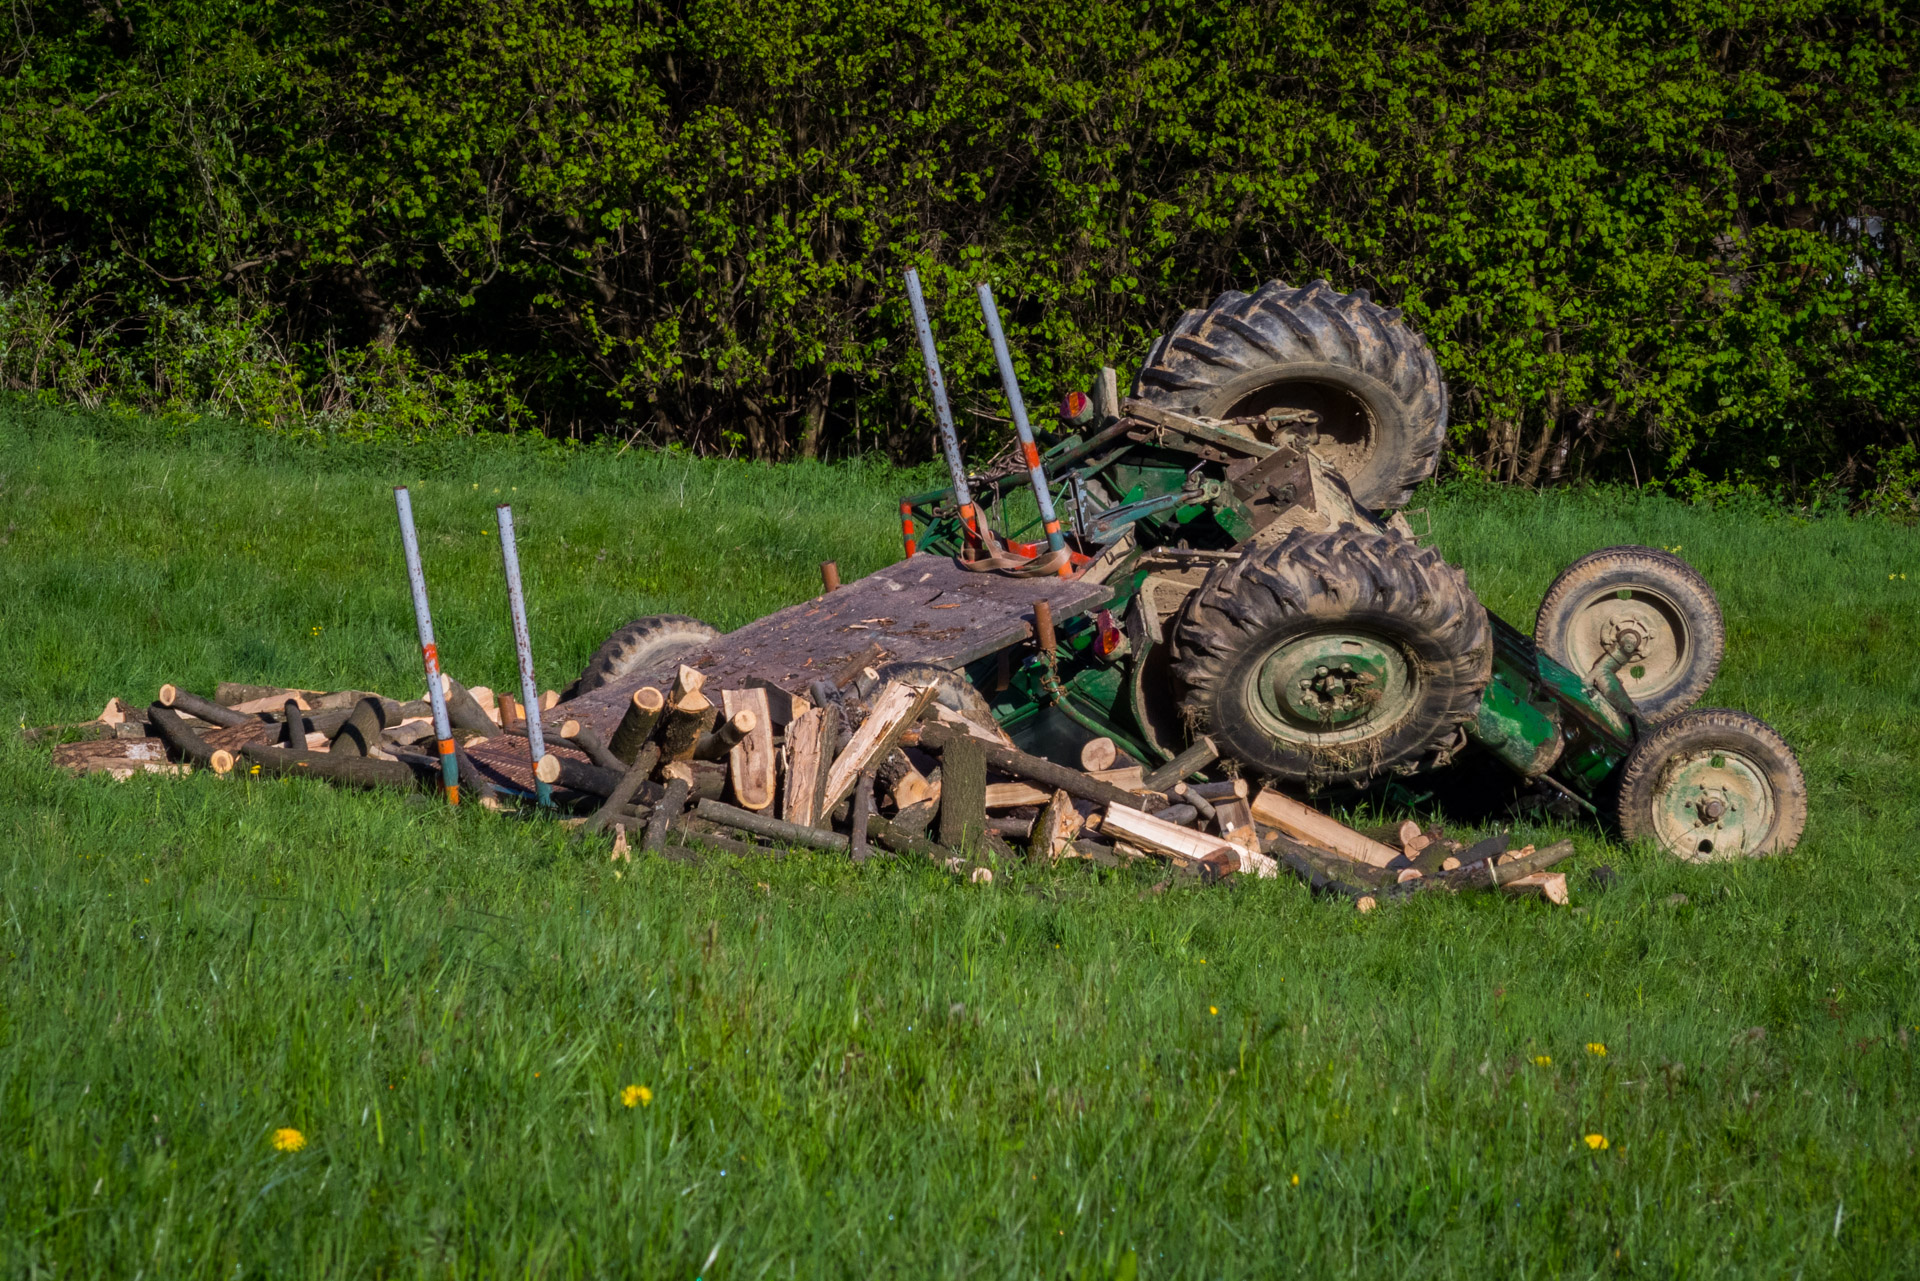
point(355, 771)
point(1487, 874)
point(119, 758)
point(630, 785)
point(84, 732)
point(913, 820)
point(963, 792)
point(772, 828)
point(726, 735)
point(1098, 754)
point(549, 699)
point(1196, 758)
point(1276, 809)
point(894, 708)
point(180, 700)
point(636, 726)
point(687, 680)
point(672, 802)
point(751, 760)
point(1151, 832)
point(463, 711)
point(862, 811)
point(1009, 760)
point(588, 740)
point(488, 704)
point(1055, 829)
point(708, 779)
point(579, 776)
point(989, 729)
point(1234, 820)
point(187, 745)
point(805, 771)
point(782, 707)
point(911, 788)
point(473, 782)
point(116, 712)
point(689, 716)
point(360, 733)
point(1002, 796)
point(1551, 886)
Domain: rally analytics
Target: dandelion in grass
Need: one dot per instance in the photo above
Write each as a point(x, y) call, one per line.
point(1543, 1060)
point(288, 1140)
point(1213, 1009)
point(1295, 1180)
point(1598, 1142)
point(636, 1096)
point(1596, 1049)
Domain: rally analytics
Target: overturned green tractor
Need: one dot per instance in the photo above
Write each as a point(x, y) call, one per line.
point(1263, 601)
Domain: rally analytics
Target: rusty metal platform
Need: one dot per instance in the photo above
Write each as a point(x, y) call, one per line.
point(924, 610)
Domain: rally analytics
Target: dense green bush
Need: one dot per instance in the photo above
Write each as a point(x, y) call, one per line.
point(1668, 240)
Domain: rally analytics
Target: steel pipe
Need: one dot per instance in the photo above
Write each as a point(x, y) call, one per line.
point(523, 647)
point(423, 621)
point(937, 386)
point(1055, 540)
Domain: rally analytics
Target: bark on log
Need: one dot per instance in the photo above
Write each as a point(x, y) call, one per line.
point(708, 779)
point(636, 726)
point(727, 735)
point(360, 733)
point(772, 828)
point(178, 736)
point(903, 841)
point(293, 727)
point(1054, 830)
point(1196, 758)
point(1013, 761)
point(1486, 874)
point(463, 711)
point(683, 834)
point(631, 784)
point(580, 776)
point(689, 716)
point(862, 811)
point(963, 792)
point(672, 802)
point(1231, 789)
point(355, 771)
point(180, 700)
point(801, 803)
point(588, 740)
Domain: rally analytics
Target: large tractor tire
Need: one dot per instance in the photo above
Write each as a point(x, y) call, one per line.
point(640, 646)
point(1712, 784)
point(1371, 378)
point(1332, 658)
point(1662, 600)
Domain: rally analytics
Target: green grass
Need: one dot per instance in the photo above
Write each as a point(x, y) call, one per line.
point(881, 1071)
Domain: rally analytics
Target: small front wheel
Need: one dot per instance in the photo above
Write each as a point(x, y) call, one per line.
point(1653, 600)
point(1713, 784)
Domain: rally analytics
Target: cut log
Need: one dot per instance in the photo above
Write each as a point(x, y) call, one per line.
point(1412, 839)
point(984, 728)
point(549, 699)
point(963, 787)
point(1188, 763)
point(360, 733)
point(180, 700)
point(894, 708)
point(751, 761)
point(1055, 829)
point(354, 771)
point(1234, 820)
point(1012, 761)
point(488, 704)
point(580, 776)
point(1487, 874)
point(727, 735)
point(687, 680)
point(116, 712)
point(183, 741)
point(1006, 796)
point(1276, 809)
point(119, 758)
point(1098, 754)
point(463, 711)
point(1322, 879)
point(1202, 806)
point(588, 740)
point(689, 716)
point(473, 782)
point(509, 712)
point(682, 834)
point(293, 727)
point(772, 828)
point(1182, 815)
point(636, 726)
point(903, 840)
point(911, 788)
point(1183, 845)
point(1551, 886)
point(1232, 789)
point(672, 802)
point(801, 804)
point(862, 812)
point(231, 694)
point(708, 779)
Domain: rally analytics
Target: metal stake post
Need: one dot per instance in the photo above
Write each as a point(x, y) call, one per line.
point(1055, 541)
point(417, 579)
point(523, 647)
point(949, 439)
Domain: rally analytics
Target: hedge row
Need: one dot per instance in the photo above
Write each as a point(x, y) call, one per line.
point(1658, 239)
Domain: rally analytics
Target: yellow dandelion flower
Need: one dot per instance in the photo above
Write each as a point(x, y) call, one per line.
point(1543, 1060)
point(1598, 1142)
point(1597, 1049)
point(288, 1140)
point(1296, 1180)
point(637, 1095)
point(1213, 1009)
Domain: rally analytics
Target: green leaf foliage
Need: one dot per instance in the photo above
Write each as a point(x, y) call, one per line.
point(1668, 241)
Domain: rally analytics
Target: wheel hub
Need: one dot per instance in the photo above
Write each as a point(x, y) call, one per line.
point(1654, 624)
point(1713, 804)
point(1336, 683)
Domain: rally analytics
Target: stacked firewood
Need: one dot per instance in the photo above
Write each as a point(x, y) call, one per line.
point(762, 769)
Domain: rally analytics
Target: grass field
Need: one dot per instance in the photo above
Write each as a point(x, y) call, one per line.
point(880, 1071)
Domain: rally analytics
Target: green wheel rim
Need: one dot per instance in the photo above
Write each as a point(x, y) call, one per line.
point(1713, 804)
point(1331, 687)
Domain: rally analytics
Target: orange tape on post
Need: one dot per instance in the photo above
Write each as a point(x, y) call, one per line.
point(906, 528)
